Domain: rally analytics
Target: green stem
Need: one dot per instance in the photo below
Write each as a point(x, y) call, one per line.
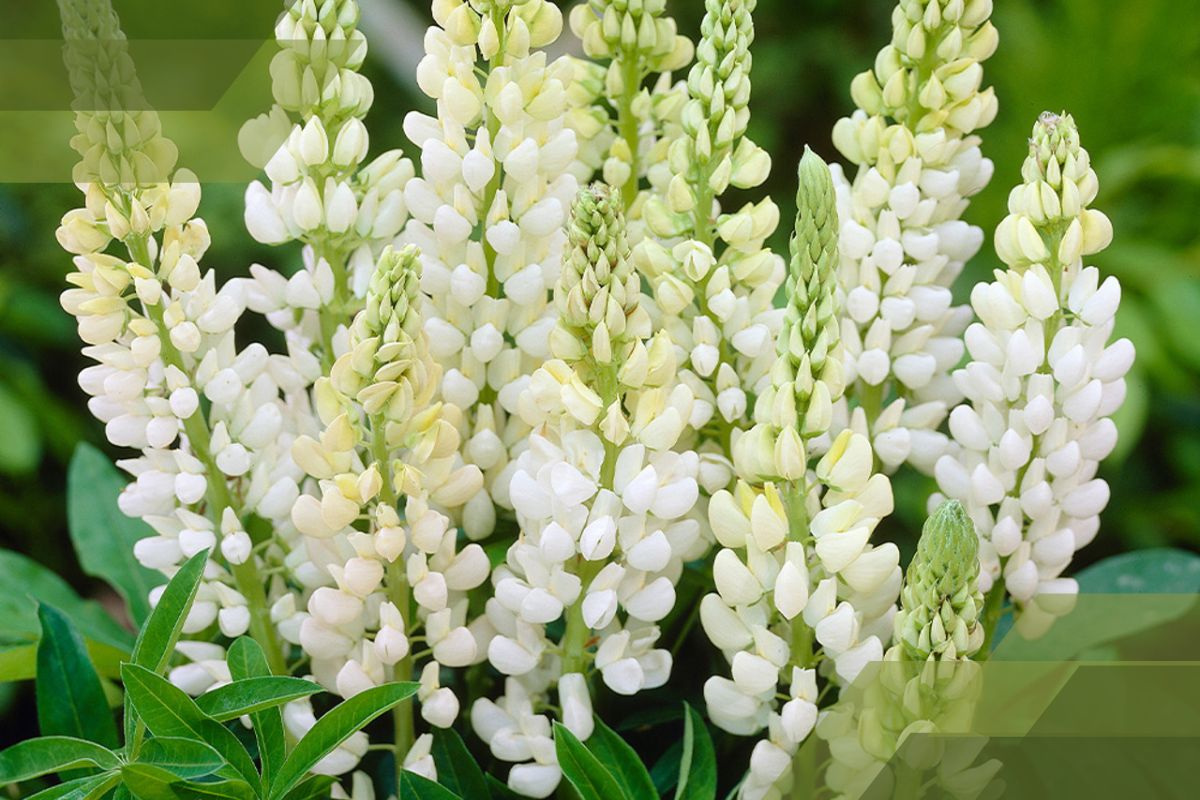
point(627, 123)
point(993, 609)
point(398, 591)
point(801, 644)
point(246, 575)
point(577, 634)
point(333, 314)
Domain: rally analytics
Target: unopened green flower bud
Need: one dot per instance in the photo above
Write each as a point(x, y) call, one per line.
point(388, 368)
point(940, 603)
point(598, 292)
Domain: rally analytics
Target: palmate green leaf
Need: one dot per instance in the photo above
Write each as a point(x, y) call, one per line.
point(92, 787)
point(456, 767)
point(583, 770)
point(148, 782)
point(622, 762)
point(102, 535)
point(27, 583)
point(35, 757)
point(168, 711)
point(698, 766)
point(248, 695)
point(157, 639)
point(184, 758)
point(70, 699)
point(246, 659)
point(334, 728)
point(418, 787)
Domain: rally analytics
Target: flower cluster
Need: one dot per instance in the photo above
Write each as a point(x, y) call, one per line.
point(714, 282)
point(368, 590)
point(498, 174)
point(903, 241)
point(926, 684)
point(1043, 379)
point(312, 145)
point(797, 579)
point(468, 353)
point(634, 126)
point(209, 422)
point(603, 501)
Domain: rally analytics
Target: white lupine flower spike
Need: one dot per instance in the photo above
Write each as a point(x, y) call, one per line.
point(205, 418)
point(605, 503)
point(499, 171)
point(713, 279)
point(903, 240)
point(798, 582)
point(1042, 382)
point(313, 147)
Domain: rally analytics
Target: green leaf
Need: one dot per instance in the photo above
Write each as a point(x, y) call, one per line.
point(698, 766)
point(248, 695)
point(246, 659)
point(418, 787)
point(35, 757)
point(158, 636)
point(498, 790)
point(89, 788)
point(665, 772)
point(184, 758)
point(456, 767)
point(148, 782)
point(102, 535)
point(583, 770)
point(20, 437)
point(27, 583)
point(314, 787)
point(334, 728)
point(622, 761)
point(1157, 571)
point(70, 700)
point(168, 711)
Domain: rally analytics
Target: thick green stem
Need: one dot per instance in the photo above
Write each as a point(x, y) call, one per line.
point(333, 314)
point(627, 124)
point(246, 575)
point(577, 634)
point(993, 609)
point(399, 594)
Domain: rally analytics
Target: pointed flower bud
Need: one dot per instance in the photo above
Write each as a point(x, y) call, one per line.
point(940, 604)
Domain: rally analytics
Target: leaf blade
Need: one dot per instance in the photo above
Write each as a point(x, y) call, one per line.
point(583, 770)
point(334, 728)
point(698, 765)
point(102, 535)
point(158, 636)
point(184, 758)
point(247, 660)
point(35, 757)
point(456, 767)
point(250, 695)
point(622, 761)
point(70, 699)
point(418, 787)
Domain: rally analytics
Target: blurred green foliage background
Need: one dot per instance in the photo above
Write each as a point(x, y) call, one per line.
point(1128, 71)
